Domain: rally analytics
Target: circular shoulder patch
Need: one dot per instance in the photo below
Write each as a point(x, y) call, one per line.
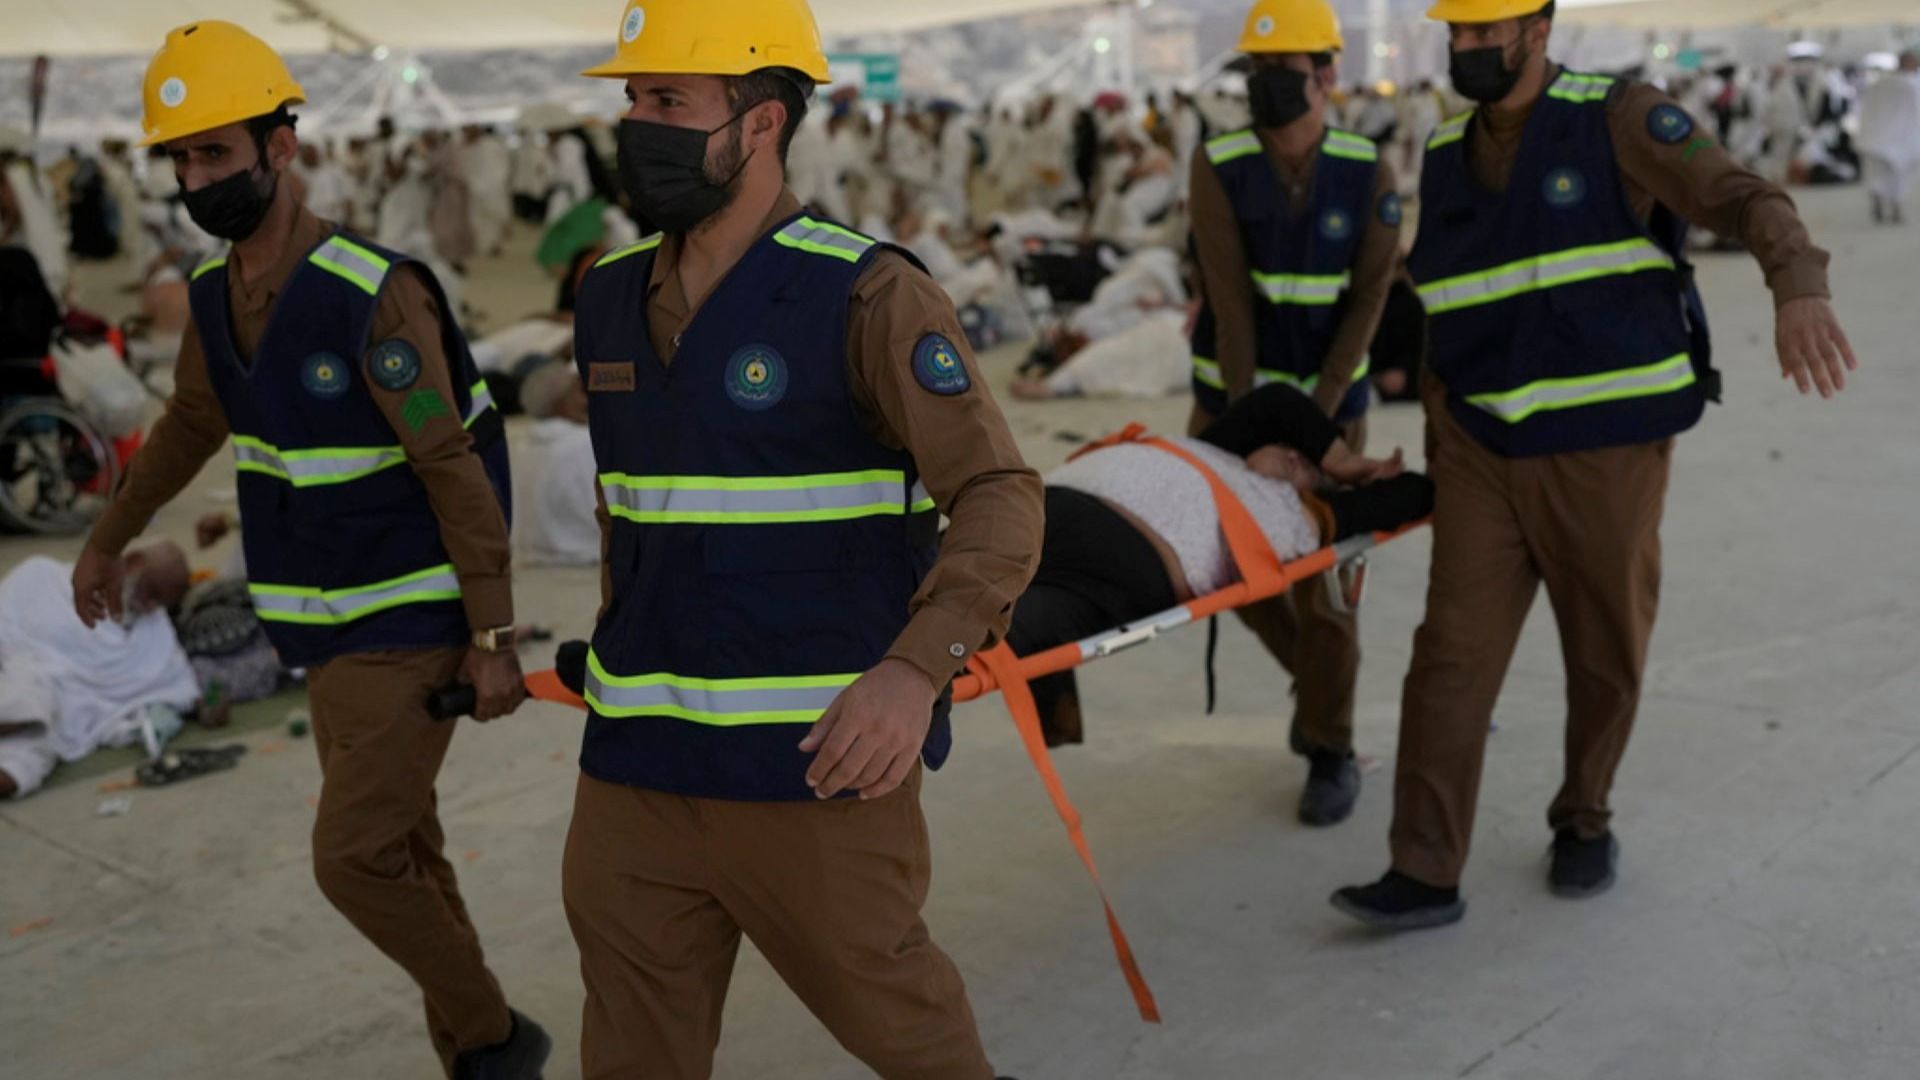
point(1390, 210)
point(1669, 123)
point(394, 364)
point(937, 367)
point(1565, 187)
point(1336, 224)
point(324, 375)
point(756, 378)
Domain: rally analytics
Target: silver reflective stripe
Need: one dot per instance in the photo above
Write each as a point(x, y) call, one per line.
point(1543, 272)
point(1311, 290)
point(1228, 147)
point(1340, 144)
point(480, 399)
point(1513, 406)
point(719, 702)
point(353, 262)
point(1580, 88)
point(331, 607)
point(720, 500)
point(823, 238)
point(314, 468)
point(1450, 132)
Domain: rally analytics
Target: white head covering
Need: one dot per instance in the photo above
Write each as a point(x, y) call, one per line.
point(545, 387)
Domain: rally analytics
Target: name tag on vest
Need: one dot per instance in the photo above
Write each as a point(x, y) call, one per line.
point(609, 378)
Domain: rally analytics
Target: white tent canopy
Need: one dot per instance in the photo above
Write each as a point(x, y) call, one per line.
point(1691, 14)
point(136, 27)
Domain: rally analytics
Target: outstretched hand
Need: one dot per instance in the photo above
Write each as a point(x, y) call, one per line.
point(1345, 467)
point(1814, 351)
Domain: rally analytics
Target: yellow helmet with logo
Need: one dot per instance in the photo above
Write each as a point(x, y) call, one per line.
point(715, 37)
point(1292, 26)
point(210, 74)
point(1483, 11)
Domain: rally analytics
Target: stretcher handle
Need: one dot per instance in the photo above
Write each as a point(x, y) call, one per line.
point(563, 684)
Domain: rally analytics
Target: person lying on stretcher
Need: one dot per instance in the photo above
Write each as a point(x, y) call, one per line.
point(1132, 530)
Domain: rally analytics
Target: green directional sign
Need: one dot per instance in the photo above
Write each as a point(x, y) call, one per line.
point(876, 74)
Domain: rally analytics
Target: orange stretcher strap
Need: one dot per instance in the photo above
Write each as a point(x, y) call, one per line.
point(1026, 718)
point(546, 686)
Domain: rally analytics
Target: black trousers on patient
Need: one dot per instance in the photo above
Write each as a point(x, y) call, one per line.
point(1096, 572)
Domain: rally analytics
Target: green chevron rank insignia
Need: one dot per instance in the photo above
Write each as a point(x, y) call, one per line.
point(422, 406)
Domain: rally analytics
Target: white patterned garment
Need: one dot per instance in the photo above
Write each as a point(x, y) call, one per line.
point(1175, 501)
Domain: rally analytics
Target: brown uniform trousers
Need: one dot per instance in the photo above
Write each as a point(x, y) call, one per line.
point(1587, 525)
point(377, 839)
point(659, 889)
point(1315, 636)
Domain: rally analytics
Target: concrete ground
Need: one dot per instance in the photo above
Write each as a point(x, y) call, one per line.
point(1763, 928)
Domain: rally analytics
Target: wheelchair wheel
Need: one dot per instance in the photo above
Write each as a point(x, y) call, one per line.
point(56, 470)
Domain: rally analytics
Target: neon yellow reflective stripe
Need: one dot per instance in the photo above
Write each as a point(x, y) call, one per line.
point(335, 607)
point(351, 262)
point(1343, 144)
point(761, 500)
point(1581, 89)
point(635, 248)
point(1234, 145)
point(209, 267)
point(1208, 373)
point(1513, 406)
point(313, 467)
point(798, 699)
point(1543, 272)
point(1310, 290)
point(824, 238)
point(1451, 131)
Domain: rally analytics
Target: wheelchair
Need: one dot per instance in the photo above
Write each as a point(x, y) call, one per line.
point(57, 470)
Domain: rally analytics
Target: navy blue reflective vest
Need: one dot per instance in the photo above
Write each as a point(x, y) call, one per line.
point(1302, 264)
point(1559, 322)
point(764, 546)
point(343, 550)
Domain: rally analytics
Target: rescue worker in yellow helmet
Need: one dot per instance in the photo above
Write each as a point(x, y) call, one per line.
point(372, 483)
point(1296, 230)
point(780, 409)
point(1568, 346)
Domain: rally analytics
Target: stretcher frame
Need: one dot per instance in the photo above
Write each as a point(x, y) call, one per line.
point(1263, 576)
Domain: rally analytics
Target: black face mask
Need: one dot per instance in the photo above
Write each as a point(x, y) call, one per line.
point(1482, 74)
point(233, 208)
point(1278, 96)
point(664, 171)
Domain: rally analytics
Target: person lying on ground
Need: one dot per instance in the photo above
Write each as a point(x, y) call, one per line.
point(1133, 530)
point(66, 690)
point(554, 473)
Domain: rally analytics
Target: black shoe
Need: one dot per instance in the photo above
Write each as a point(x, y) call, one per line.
point(521, 1057)
point(1582, 868)
point(1333, 786)
point(1398, 902)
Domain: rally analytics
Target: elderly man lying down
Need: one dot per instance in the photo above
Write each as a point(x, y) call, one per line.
point(1132, 531)
point(65, 690)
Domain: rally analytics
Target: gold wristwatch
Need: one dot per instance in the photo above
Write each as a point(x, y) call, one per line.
point(498, 639)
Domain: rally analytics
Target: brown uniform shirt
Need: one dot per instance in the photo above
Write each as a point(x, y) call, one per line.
point(1695, 178)
point(1226, 277)
point(961, 445)
point(194, 427)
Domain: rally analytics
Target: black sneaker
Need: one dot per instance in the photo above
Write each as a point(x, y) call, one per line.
point(1582, 868)
point(521, 1057)
point(1398, 902)
point(1333, 786)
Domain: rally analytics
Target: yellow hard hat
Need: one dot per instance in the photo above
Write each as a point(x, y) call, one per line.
point(1292, 26)
point(1483, 11)
point(715, 37)
point(210, 74)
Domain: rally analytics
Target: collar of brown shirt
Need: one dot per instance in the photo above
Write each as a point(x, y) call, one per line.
point(668, 309)
point(252, 304)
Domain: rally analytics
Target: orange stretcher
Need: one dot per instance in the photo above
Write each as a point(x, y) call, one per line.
point(1262, 576)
